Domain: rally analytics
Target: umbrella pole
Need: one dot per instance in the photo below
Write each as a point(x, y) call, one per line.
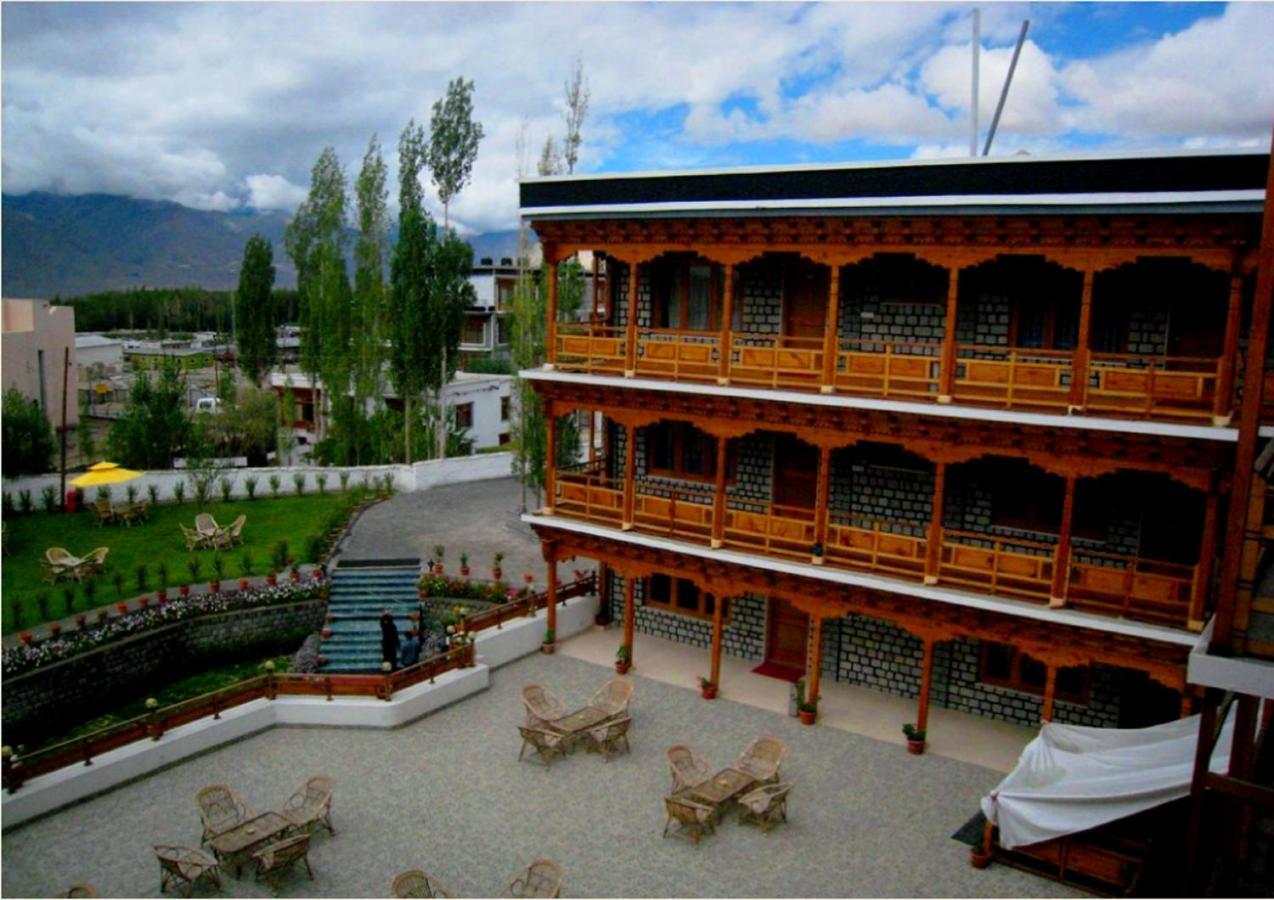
point(66, 374)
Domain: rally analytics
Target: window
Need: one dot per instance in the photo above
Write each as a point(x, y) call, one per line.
point(679, 450)
point(504, 438)
point(1026, 498)
point(685, 297)
point(1047, 324)
point(681, 595)
point(504, 326)
point(475, 330)
point(504, 409)
point(1006, 666)
point(504, 293)
point(464, 415)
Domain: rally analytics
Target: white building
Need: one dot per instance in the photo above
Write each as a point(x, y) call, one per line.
point(98, 354)
point(36, 339)
point(488, 322)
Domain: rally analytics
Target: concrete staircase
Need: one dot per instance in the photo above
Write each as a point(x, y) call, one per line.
point(361, 590)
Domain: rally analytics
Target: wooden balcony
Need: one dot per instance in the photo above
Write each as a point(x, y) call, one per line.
point(673, 511)
point(592, 349)
point(768, 529)
point(584, 492)
point(1143, 589)
point(678, 355)
point(1013, 378)
point(874, 545)
point(775, 361)
point(873, 368)
point(997, 565)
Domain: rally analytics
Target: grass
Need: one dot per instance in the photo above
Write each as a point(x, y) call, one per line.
point(153, 543)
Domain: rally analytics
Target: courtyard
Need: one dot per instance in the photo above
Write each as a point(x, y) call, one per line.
point(447, 794)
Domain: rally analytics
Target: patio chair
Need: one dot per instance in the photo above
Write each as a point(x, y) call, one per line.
point(233, 532)
point(134, 512)
point(545, 743)
point(194, 540)
point(689, 769)
point(542, 707)
point(692, 817)
point(275, 859)
point(609, 737)
point(415, 883)
point(185, 867)
point(93, 561)
point(103, 512)
point(220, 809)
point(542, 878)
point(59, 563)
point(80, 890)
point(614, 697)
point(310, 806)
point(761, 759)
point(766, 806)
point(207, 526)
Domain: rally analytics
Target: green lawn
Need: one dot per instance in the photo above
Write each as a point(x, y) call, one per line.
point(153, 543)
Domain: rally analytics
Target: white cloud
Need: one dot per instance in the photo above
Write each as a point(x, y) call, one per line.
point(273, 192)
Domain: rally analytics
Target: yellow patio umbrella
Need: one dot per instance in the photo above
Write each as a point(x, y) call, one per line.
point(105, 473)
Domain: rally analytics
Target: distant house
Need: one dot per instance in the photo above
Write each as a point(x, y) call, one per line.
point(489, 321)
point(37, 339)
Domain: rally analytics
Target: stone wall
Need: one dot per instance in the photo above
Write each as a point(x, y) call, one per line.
point(761, 299)
point(743, 635)
point(39, 702)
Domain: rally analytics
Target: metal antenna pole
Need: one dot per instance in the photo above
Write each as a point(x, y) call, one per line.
point(977, 40)
point(1004, 94)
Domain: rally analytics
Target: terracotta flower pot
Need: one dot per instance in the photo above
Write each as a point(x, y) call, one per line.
point(294, 576)
point(320, 661)
point(143, 602)
point(244, 584)
point(162, 596)
point(548, 648)
point(807, 717)
point(978, 859)
point(709, 691)
point(55, 628)
point(81, 620)
point(122, 607)
point(317, 574)
point(497, 574)
point(272, 579)
point(327, 633)
point(622, 666)
point(916, 747)
point(27, 638)
point(184, 590)
point(464, 571)
point(528, 578)
point(214, 587)
point(439, 569)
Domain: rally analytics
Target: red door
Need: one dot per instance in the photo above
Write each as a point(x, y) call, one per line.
point(795, 473)
point(788, 636)
point(805, 302)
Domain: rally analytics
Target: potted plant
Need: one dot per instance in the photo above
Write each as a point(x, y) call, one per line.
point(496, 572)
point(439, 552)
point(272, 578)
point(546, 645)
point(184, 590)
point(162, 593)
point(915, 738)
point(623, 660)
point(808, 712)
point(327, 633)
point(816, 554)
point(27, 638)
point(81, 621)
point(55, 628)
point(195, 565)
point(464, 565)
point(528, 577)
point(121, 607)
point(218, 568)
point(708, 688)
point(796, 697)
point(295, 574)
point(143, 602)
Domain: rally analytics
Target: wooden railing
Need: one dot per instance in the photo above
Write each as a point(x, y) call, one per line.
point(880, 368)
point(154, 724)
point(681, 355)
point(1145, 589)
point(769, 529)
point(1176, 386)
point(591, 348)
point(586, 492)
point(677, 510)
point(997, 565)
point(775, 361)
point(1012, 377)
point(877, 545)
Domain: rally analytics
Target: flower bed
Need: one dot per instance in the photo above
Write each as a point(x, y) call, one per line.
point(39, 653)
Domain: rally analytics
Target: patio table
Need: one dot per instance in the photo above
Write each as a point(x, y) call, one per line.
point(722, 788)
point(239, 842)
point(576, 724)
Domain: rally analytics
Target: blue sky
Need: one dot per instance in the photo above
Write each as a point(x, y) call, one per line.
point(226, 106)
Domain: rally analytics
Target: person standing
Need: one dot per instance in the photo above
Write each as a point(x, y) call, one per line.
point(411, 649)
point(388, 638)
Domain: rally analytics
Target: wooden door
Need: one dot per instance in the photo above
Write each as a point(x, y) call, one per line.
point(788, 637)
point(805, 301)
point(795, 473)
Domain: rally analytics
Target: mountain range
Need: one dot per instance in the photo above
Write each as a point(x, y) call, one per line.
point(55, 245)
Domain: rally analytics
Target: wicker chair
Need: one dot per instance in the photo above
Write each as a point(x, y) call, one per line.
point(614, 697)
point(194, 540)
point(689, 769)
point(80, 890)
point(103, 512)
point(542, 878)
point(545, 743)
point(59, 563)
point(542, 707)
point(766, 806)
point(94, 561)
point(761, 759)
point(207, 526)
point(609, 737)
point(274, 860)
point(310, 806)
point(232, 534)
point(220, 809)
point(692, 818)
point(415, 883)
point(185, 867)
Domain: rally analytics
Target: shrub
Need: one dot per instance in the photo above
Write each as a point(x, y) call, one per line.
point(250, 485)
point(6, 506)
point(388, 482)
point(321, 480)
point(141, 577)
point(152, 491)
point(117, 579)
point(314, 547)
point(218, 565)
point(274, 485)
point(90, 592)
point(227, 486)
point(103, 494)
point(42, 604)
point(24, 501)
point(49, 498)
point(68, 599)
point(201, 485)
point(298, 482)
point(344, 481)
point(279, 556)
point(131, 493)
point(179, 492)
point(162, 571)
point(245, 564)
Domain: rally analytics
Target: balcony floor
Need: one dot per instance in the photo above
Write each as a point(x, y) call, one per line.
point(952, 734)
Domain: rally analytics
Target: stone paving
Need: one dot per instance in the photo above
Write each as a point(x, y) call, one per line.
point(447, 794)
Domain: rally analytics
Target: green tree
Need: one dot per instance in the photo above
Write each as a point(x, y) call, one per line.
point(28, 436)
point(254, 308)
point(577, 95)
point(155, 425)
point(245, 424)
point(409, 279)
point(453, 142)
point(369, 283)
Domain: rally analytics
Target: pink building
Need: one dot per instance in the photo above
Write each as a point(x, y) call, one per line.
point(37, 337)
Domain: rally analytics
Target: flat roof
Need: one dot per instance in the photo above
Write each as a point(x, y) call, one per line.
point(1216, 181)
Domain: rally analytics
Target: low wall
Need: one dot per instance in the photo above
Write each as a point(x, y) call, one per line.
point(416, 477)
point(39, 701)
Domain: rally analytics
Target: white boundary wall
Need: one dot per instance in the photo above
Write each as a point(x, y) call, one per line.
point(416, 477)
point(495, 647)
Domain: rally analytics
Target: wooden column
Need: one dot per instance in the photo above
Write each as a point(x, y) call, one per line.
point(1198, 794)
point(596, 292)
point(1207, 552)
point(630, 368)
point(947, 367)
point(1243, 749)
point(933, 540)
point(1050, 688)
point(727, 324)
point(719, 498)
point(831, 332)
point(1079, 359)
point(592, 437)
point(1222, 403)
point(926, 680)
point(630, 477)
point(815, 659)
point(822, 500)
point(1062, 557)
point(550, 328)
point(714, 675)
point(630, 612)
point(550, 459)
point(551, 606)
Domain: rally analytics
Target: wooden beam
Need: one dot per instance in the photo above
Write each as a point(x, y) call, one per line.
point(1243, 748)
point(719, 498)
point(1203, 571)
point(822, 500)
point(933, 538)
point(1222, 404)
point(596, 292)
point(1079, 359)
point(831, 332)
point(630, 612)
point(550, 334)
point(630, 476)
point(815, 659)
point(926, 679)
point(947, 370)
point(630, 368)
point(592, 438)
point(1062, 557)
point(1050, 691)
point(727, 324)
point(550, 460)
point(715, 674)
point(1198, 794)
point(551, 602)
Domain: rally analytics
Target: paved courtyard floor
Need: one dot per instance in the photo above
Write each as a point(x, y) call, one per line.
point(447, 794)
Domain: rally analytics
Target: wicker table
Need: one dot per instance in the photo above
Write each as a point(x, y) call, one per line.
point(575, 725)
point(239, 842)
point(722, 788)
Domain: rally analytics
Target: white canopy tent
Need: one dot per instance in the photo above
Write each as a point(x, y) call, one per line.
point(1072, 778)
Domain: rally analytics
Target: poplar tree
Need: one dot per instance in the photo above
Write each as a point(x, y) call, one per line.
point(409, 280)
point(370, 298)
point(254, 308)
point(576, 89)
point(453, 143)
